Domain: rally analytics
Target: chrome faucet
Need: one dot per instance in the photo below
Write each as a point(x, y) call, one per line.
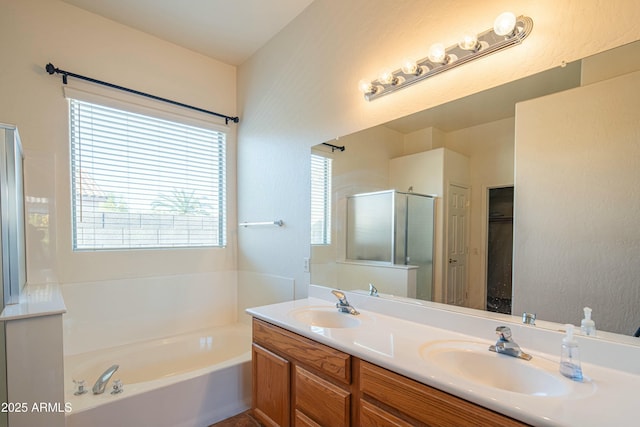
point(101, 383)
point(506, 344)
point(373, 291)
point(343, 305)
point(529, 318)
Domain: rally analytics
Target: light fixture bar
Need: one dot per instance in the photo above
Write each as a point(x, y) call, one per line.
point(488, 42)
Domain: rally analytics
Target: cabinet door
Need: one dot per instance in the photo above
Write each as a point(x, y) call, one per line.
point(324, 403)
point(271, 388)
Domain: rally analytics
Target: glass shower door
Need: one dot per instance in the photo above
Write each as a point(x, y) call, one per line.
point(420, 229)
point(370, 226)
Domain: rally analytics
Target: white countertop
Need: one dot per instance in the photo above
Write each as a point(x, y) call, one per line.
point(35, 301)
point(607, 396)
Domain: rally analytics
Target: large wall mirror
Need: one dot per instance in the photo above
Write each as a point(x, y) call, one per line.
point(536, 190)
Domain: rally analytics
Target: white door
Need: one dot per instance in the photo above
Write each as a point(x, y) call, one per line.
point(457, 244)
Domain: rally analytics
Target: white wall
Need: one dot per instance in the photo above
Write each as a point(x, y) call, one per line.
point(35, 32)
point(576, 166)
point(111, 313)
point(300, 89)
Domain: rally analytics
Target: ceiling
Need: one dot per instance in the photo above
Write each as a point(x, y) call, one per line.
point(227, 30)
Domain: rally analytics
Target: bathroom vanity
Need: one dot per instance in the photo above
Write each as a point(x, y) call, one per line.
point(298, 381)
point(313, 365)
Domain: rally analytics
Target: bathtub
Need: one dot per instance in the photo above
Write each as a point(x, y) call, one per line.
point(192, 380)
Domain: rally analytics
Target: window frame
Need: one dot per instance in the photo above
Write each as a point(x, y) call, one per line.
point(221, 236)
point(324, 169)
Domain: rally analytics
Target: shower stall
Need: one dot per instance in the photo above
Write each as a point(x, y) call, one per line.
point(12, 249)
point(12, 252)
point(395, 228)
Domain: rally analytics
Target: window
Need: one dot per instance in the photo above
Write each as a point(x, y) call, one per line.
point(143, 182)
point(320, 200)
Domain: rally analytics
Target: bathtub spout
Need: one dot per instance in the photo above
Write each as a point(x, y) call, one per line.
point(101, 383)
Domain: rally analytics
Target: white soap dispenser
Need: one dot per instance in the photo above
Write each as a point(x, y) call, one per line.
point(588, 326)
point(570, 365)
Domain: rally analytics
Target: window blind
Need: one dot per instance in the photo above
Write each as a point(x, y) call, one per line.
point(144, 182)
point(320, 200)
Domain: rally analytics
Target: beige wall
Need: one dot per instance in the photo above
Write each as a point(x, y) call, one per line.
point(35, 32)
point(300, 89)
point(576, 167)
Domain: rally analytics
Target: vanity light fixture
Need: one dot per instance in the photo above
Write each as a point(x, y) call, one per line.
point(507, 31)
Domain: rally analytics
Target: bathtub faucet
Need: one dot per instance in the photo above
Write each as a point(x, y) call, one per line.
point(101, 383)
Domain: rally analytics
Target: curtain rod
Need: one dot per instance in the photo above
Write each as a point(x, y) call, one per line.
point(51, 69)
point(334, 147)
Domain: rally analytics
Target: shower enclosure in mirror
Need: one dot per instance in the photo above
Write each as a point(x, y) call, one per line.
point(394, 228)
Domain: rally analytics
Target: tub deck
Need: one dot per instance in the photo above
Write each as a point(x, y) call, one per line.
point(193, 379)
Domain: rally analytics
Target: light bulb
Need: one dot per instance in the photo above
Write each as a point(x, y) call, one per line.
point(504, 24)
point(438, 54)
point(366, 87)
point(386, 77)
point(469, 41)
point(409, 66)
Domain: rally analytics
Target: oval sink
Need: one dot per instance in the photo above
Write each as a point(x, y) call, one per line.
point(474, 362)
point(325, 317)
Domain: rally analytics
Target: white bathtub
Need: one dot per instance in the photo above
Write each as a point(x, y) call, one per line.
point(192, 379)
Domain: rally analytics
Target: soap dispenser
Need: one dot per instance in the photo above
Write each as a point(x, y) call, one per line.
point(570, 365)
point(588, 326)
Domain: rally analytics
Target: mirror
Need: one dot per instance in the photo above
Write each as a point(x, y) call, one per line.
point(543, 170)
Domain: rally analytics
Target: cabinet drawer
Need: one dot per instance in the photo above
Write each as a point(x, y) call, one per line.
point(373, 416)
point(301, 420)
point(326, 360)
point(319, 400)
point(423, 403)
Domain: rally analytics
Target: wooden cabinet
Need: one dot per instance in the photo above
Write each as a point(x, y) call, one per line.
point(308, 380)
point(404, 401)
point(300, 382)
point(271, 387)
point(373, 416)
point(321, 400)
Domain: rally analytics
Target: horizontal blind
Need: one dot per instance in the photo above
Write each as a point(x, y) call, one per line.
point(144, 182)
point(320, 200)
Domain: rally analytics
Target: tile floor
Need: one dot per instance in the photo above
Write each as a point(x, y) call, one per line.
point(241, 420)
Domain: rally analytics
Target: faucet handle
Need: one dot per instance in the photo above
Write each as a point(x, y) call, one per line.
point(80, 387)
point(373, 291)
point(341, 296)
point(504, 332)
point(337, 293)
point(118, 387)
point(529, 318)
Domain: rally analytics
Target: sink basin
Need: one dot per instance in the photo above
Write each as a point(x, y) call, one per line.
point(474, 362)
point(325, 317)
